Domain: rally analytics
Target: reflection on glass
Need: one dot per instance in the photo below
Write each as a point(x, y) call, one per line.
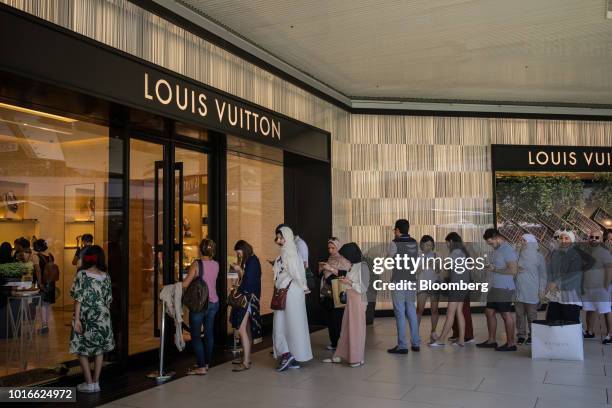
point(255, 207)
point(53, 185)
point(146, 197)
point(191, 206)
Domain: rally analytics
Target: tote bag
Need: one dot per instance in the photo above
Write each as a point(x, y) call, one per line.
point(558, 340)
point(337, 289)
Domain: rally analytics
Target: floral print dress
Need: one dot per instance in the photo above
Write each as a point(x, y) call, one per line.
point(95, 295)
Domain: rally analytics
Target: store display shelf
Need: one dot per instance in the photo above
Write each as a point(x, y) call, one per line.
point(19, 221)
point(81, 222)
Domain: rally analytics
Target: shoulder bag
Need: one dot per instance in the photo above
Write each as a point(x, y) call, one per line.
point(237, 299)
point(279, 297)
point(196, 294)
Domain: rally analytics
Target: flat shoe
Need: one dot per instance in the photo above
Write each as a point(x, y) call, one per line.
point(486, 344)
point(195, 372)
point(334, 360)
point(241, 367)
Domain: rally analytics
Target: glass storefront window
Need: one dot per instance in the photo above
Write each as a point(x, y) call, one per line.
point(53, 186)
point(255, 206)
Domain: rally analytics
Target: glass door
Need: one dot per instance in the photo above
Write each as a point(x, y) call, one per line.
point(166, 225)
point(146, 243)
point(190, 207)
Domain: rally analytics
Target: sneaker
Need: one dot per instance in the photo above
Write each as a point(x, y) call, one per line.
point(415, 348)
point(433, 337)
point(294, 364)
point(454, 338)
point(96, 387)
point(589, 335)
point(437, 344)
point(520, 341)
point(528, 341)
point(87, 388)
point(330, 347)
point(470, 341)
point(332, 360)
point(486, 344)
point(505, 347)
point(607, 340)
point(359, 364)
point(286, 360)
point(457, 344)
point(397, 350)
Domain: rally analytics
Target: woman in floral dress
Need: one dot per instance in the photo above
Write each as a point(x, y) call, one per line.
point(92, 333)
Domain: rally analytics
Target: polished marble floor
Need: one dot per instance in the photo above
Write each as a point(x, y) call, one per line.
point(449, 377)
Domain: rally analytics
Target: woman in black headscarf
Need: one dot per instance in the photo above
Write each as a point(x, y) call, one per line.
point(351, 346)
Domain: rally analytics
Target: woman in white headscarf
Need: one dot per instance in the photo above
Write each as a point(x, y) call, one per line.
point(530, 286)
point(290, 335)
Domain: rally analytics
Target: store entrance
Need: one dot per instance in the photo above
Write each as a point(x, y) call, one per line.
point(168, 217)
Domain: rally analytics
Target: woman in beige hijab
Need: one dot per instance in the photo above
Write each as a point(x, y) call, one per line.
point(336, 264)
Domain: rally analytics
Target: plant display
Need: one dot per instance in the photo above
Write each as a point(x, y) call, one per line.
point(602, 196)
point(15, 269)
point(540, 195)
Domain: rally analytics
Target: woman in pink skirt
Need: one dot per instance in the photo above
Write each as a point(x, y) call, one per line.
point(351, 346)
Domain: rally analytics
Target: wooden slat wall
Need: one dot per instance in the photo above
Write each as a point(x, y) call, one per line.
point(433, 170)
point(436, 171)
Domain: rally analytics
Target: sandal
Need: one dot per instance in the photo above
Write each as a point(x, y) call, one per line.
point(334, 360)
point(192, 371)
point(241, 367)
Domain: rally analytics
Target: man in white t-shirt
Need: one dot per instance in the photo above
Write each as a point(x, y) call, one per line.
point(302, 250)
point(596, 282)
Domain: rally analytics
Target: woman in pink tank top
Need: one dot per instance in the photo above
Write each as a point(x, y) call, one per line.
point(210, 267)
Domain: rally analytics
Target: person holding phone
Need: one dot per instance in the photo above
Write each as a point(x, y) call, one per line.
point(336, 266)
point(247, 319)
point(290, 335)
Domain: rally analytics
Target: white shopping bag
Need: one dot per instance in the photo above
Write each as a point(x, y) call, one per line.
point(556, 340)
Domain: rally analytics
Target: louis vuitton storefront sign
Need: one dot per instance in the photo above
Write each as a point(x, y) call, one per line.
point(105, 73)
point(552, 158)
point(199, 103)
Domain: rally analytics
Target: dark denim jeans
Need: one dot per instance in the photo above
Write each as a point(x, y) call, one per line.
point(203, 352)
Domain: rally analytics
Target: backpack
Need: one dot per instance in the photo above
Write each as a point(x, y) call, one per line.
point(50, 271)
point(195, 296)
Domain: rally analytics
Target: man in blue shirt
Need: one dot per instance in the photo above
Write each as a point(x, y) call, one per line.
point(503, 267)
point(404, 301)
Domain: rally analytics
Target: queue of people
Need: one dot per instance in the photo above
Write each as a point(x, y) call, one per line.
point(521, 280)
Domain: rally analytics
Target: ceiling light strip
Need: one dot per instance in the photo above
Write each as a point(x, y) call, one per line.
point(484, 108)
point(37, 113)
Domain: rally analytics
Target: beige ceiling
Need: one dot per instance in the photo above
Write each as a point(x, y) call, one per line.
point(557, 51)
